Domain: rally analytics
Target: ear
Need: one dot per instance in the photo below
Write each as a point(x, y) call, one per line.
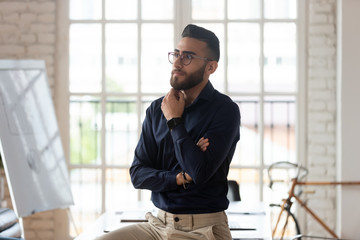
point(211, 67)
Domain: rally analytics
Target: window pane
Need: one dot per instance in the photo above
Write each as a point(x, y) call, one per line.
point(279, 129)
point(119, 189)
point(157, 41)
point(157, 9)
point(121, 131)
point(217, 79)
point(280, 57)
point(85, 9)
point(248, 180)
point(86, 189)
point(243, 9)
point(85, 58)
point(207, 9)
point(275, 9)
point(121, 58)
point(247, 151)
point(121, 9)
point(243, 57)
point(85, 125)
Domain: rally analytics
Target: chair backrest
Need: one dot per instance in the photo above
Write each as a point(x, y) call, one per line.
point(234, 191)
point(10, 238)
point(9, 225)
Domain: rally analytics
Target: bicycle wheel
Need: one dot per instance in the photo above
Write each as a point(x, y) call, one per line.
point(292, 227)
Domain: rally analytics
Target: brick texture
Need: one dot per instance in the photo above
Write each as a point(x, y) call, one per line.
point(28, 31)
point(321, 100)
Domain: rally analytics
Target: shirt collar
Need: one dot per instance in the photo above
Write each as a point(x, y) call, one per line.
point(206, 94)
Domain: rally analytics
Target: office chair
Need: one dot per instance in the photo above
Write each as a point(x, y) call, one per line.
point(10, 238)
point(9, 226)
point(233, 191)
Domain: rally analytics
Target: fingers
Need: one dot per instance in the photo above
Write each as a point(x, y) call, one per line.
point(180, 179)
point(178, 94)
point(173, 104)
point(203, 143)
point(188, 177)
point(174, 93)
point(181, 96)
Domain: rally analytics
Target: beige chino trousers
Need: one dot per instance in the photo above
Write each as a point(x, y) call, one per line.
point(208, 226)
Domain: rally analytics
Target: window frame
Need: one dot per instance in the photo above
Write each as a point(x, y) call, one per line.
point(62, 94)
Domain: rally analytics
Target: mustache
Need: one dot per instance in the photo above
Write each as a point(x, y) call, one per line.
point(177, 70)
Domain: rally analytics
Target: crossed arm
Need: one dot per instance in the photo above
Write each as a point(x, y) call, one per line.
point(203, 143)
point(173, 106)
point(198, 165)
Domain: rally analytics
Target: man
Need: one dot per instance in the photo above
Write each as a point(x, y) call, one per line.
point(188, 140)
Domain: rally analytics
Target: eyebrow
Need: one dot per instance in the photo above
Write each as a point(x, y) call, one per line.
point(188, 52)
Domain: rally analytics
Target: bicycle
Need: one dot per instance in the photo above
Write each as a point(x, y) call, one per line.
point(284, 171)
point(286, 225)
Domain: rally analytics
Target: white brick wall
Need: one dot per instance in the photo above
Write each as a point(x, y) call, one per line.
point(28, 31)
point(40, 226)
point(321, 100)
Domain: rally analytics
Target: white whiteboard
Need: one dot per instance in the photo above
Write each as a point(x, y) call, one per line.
point(30, 146)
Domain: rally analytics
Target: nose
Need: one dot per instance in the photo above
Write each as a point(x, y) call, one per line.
point(178, 63)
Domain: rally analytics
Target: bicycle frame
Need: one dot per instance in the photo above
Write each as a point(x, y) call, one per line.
point(291, 195)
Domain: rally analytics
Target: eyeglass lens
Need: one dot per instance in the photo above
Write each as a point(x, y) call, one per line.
point(184, 58)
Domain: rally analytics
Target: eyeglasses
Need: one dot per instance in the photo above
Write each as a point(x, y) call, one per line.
point(185, 58)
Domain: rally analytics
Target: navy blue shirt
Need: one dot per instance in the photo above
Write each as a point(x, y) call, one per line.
point(161, 154)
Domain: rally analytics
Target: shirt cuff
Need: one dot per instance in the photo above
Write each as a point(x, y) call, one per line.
point(171, 180)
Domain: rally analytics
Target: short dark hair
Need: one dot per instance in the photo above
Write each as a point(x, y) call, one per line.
point(204, 35)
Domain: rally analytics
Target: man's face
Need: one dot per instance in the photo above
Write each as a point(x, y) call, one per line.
point(186, 77)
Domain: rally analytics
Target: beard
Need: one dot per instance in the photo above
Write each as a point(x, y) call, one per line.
point(190, 81)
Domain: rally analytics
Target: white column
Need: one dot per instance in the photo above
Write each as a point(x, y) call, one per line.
point(348, 116)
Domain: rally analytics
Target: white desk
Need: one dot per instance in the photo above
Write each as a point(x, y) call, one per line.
point(252, 218)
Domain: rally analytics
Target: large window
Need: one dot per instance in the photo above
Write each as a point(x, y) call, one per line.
point(118, 65)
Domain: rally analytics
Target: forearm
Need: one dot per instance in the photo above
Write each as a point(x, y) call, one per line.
point(202, 162)
point(152, 179)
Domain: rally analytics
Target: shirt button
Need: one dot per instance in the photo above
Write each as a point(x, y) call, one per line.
point(176, 219)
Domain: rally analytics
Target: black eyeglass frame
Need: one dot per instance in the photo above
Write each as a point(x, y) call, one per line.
point(171, 56)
